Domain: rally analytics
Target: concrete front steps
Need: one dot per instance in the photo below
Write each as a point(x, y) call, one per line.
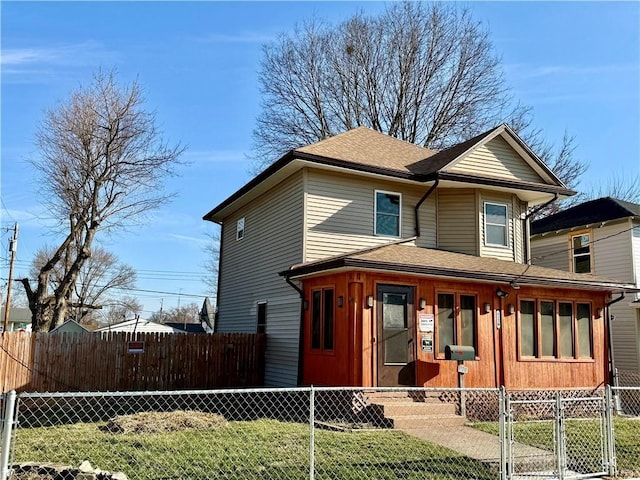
point(409, 410)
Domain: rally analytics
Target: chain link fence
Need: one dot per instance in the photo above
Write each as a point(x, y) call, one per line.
point(318, 433)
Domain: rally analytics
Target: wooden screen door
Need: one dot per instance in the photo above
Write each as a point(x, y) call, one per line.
point(395, 335)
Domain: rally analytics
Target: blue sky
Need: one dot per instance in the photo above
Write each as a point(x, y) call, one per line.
point(576, 63)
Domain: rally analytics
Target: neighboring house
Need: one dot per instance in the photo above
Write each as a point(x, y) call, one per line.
point(139, 326)
point(186, 327)
point(69, 326)
point(19, 319)
point(600, 237)
point(362, 257)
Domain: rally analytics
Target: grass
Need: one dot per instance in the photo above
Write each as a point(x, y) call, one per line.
point(583, 440)
point(256, 449)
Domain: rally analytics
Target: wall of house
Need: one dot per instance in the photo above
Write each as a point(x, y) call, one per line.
point(496, 159)
point(340, 213)
point(551, 251)
point(249, 274)
point(457, 220)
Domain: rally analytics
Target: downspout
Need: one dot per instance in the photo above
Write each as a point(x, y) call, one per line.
point(420, 202)
point(527, 237)
point(300, 334)
point(218, 283)
point(613, 380)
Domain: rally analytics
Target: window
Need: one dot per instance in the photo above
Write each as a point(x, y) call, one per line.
point(388, 207)
point(495, 224)
point(581, 253)
point(322, 319)
point(556, 329)
point(456, 320)
point(240, 229)
point(262, 318)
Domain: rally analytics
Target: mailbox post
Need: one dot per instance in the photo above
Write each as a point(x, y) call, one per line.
point(460, 353)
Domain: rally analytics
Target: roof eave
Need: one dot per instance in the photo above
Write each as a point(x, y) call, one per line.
point(493, 277)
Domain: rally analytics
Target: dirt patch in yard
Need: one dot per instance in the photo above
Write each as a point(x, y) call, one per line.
point(160, 422)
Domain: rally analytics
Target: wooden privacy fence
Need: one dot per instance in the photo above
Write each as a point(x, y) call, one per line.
point(115, 361)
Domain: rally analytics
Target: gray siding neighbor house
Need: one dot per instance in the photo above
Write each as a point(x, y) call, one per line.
point(600, 237)
point(316, 249)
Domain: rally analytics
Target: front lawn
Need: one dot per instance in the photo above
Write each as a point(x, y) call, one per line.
point(257, 449)
point(581, 434)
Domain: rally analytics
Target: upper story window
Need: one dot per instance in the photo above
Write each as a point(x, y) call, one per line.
point(240, 229)
point(581, 252)
point(495, 224)
point(388, 207)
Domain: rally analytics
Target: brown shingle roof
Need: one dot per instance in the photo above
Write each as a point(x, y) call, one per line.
point(410, 259)
point(368, 147)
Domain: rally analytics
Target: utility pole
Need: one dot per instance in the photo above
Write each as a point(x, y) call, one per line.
point(13, 246)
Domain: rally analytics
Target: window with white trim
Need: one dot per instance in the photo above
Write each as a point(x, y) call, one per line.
point(581, 253)
point(388, 208)
point(240, 229)
point(496, 224)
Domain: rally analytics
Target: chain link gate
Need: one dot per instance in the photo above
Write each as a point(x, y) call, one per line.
point(563, 438)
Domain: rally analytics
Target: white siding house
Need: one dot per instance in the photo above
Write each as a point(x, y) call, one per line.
point(612, 228)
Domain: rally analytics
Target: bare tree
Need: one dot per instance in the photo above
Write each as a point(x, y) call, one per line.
point(102, 162)
point(121, 309)
point(424, 73)
point(98, 277)
point(622, 186)
point(212, 255)
point(189, 313)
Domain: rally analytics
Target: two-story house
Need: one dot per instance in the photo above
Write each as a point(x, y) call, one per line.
point(600, 237)
point(363, 257)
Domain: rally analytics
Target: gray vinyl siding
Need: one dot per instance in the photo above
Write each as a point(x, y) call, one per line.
point(612, 251)
point(624, 336)
point(249, 273)
point(340, 213)
point(551, 251)
point(614, 258)
point(497, 159)
point(636, 251)
point(502, 253)
point(457, 221)
point(519, 211)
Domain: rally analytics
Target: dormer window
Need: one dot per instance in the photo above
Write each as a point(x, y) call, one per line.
point(581, 252)
point(495, 224)
point(388, 206)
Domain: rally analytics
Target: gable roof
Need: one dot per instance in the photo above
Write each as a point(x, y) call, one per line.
point(594, 211)
point(440, 263)
point(70, 326)
point(139, 326)
point(365, 150)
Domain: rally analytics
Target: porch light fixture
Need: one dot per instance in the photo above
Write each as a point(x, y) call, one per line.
point(340, 301)
point(369, 301)
point(511, 309)
point(600, 311)
point(501, 293)
point(305, 304)
point(423, 303)
point(487, 307)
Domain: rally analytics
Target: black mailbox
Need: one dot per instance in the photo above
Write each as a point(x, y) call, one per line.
point(459, 352)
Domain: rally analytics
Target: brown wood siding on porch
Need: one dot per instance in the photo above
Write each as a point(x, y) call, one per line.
point(432, 370)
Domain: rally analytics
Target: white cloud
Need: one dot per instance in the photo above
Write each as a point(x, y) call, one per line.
point(200, 242)
point(536, 71)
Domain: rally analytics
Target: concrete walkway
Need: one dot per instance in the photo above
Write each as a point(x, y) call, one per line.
point(531, 462)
